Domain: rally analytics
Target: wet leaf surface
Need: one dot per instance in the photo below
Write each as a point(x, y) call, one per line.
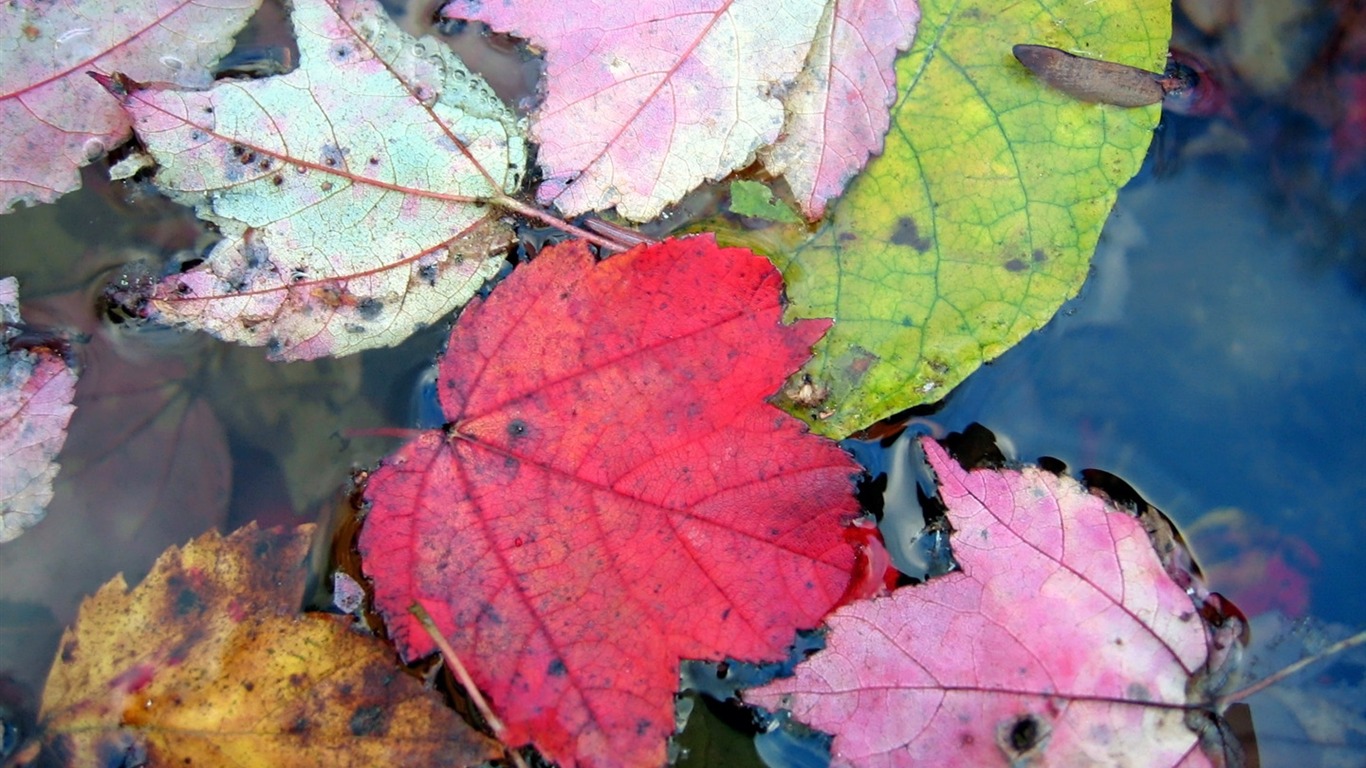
point(641, 106)
point(210, 662)
point(1062, 640)
point(56, 118)
point(979, 218)
point(36, 388)
point(612, 494)
point(352, 193)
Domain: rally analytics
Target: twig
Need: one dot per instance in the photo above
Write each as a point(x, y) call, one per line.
point(1272, 679)
point(463, 675)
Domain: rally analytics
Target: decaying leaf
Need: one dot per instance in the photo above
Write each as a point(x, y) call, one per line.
point(56, 118)
point(351, 193)
point(36, 389)
point(645, 102)
point(209, 662)
point(612, 494)
point(1062, 641)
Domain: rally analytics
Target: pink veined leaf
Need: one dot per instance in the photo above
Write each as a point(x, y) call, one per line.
point(1062, 641)
point(352, 193)
point(837, 111)
point(36, 388)
point(645, 102)
point(56, 118)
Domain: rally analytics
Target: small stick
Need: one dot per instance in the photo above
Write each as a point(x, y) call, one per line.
point(463, 675)
point(1272, 679)
point(516, 206)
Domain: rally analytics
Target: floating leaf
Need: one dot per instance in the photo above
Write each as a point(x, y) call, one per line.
point(36, 389)
point(1061, 641)
point(209, 662)
point(643, 104)
point(980, 217)
point(612, 494)
point(351, 193)
point(56, 119)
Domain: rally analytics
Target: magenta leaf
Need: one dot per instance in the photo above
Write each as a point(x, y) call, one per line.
point(1062, 641)
point(56, 118)
point(36, 388)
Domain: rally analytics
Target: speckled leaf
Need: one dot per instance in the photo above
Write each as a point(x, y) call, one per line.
point(351, 193)
point(56, 118)
point(209, 662)
point(36, 388)
point(1062, 641)
point(980, 217)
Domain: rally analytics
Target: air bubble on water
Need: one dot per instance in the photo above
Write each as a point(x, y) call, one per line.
point(94, 149)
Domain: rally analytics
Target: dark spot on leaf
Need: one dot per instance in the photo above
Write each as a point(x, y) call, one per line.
point(264, 165)
point(249, 685)
point(247, 158)
point(1039, 256)
point(297, 680)
point(237, 150)
point(642, 727)
point(1015, 265)
point(906, 233)
point(1024, 734)
point(69, 649)
point(273, 346)
point(354, 328)
point(187, 602)
point(370, 309)
point(516, 428)
point(374, 161)
point(300, 725)
point(278, 180)
point(369, 721)
point(340, 52)
point(427, 273)
point(326, 186)
point(556, 669)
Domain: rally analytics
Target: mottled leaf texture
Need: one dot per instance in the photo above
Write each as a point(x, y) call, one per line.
point(612, 494)
point(208, 662)
point(1061, 642)
point(36, 388)
point(350, 193)
point(56, 118)
point(645, 101)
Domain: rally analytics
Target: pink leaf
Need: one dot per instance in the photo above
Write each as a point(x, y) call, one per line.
point(1062, 641)
point(837, 111)
point(56, 118)
point(36, 387)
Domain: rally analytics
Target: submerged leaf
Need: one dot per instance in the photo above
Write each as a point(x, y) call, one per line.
point(612, 494)
point(209, 662)
point(351, 193)
point(1061, 641)
point(56, 119)
point(36, 389)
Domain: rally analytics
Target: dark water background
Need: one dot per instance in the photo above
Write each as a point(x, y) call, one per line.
point(1214, 361)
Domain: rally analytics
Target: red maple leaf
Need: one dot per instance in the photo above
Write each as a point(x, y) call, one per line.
point(612, 494)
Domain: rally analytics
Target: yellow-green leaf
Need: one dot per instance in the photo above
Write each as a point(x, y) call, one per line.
point(979, 219)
